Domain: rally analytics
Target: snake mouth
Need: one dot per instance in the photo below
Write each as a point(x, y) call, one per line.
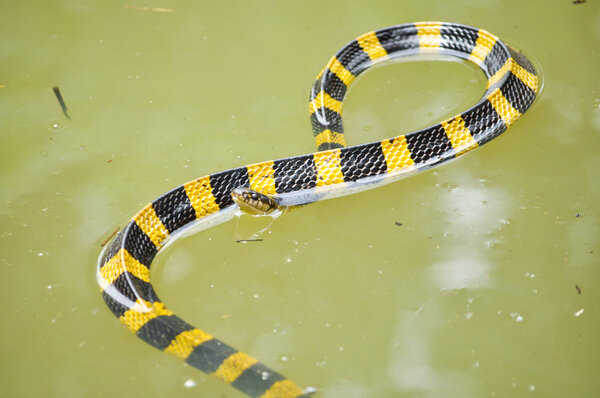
point(253, 202)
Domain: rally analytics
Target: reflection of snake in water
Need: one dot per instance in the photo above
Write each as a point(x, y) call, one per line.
point(123, 271)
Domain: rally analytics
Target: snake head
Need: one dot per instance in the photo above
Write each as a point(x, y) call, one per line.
point(253, 202)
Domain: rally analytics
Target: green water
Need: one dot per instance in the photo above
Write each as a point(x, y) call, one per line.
point(475, 294)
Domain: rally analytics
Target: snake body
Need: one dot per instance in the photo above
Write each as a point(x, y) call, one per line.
point(124, 267)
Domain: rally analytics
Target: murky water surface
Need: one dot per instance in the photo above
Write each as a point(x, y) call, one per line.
point(479, 278)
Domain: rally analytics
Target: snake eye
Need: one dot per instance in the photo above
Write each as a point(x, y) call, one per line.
point(254, 196)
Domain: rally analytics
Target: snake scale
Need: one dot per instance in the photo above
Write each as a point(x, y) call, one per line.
point(123, 271)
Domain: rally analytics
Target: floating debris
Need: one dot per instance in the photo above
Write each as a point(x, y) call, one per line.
point(579, 312)
point(61, 101)
point(578, 289)
point(398, 223)
point(578, 1)
point(516, 316)
point(189, 383)
point(248, 240)
point(113, 233)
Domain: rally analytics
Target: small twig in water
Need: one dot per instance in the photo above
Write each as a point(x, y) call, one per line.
point(113, 233)
point(248, 240)
point(578, 289)
point(61, 101)
point(578, 1)
point(398, 223)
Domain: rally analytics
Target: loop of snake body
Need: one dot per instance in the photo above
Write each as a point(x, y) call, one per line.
point(123, 271)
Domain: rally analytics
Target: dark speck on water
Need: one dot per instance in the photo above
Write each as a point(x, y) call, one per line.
point(59, 97)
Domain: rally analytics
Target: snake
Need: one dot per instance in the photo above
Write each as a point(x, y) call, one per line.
point(335, 169)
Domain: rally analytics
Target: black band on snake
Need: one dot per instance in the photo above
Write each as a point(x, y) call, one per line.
point(124, 267)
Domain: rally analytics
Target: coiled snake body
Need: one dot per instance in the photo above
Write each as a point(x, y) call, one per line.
point(124, 267)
